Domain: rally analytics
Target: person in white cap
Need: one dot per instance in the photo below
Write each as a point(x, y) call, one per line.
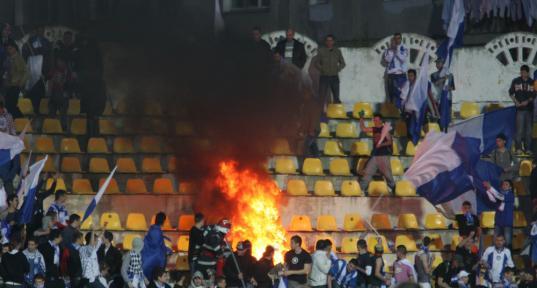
point(463, 279)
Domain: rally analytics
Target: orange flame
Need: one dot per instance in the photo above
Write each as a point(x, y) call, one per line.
point(257, 218)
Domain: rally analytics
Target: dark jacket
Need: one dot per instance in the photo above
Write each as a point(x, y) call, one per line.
point(195, 242)
point(299, 53)
point(153, 285)
point(246, 265)
point(14, 267)
point(112, 258)
point(53, 271)
point(262, 268)
point(74, 264)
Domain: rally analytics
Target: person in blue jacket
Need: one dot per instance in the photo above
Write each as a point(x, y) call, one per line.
point(155, 251)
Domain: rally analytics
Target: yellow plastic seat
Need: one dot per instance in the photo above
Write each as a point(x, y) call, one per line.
point(151, 165)
point(395, 148)
point(20, 123)
point(350, 188)
point(353, 222)
point(71, 165)
point(389, 110)
point(285, 165)
point(378, 188)
point(430, 127)
point(362, 106)
point(111, 219)
point(74, 107)
point(372, 241)
point(324, 131)
point(324, 188)
point(300, 223)
point(82, 186)
point(435, 221)
point(43, 106)
point(519, 220)
point(297, 187)
point(128, 239)
point(88, 223)
point(436, 242)
point(525, 168)
point(487, 219)
point(167, 226)
point(98, 165)
point(336, 111)
point(360, 166)
point(469, 109)
point(406, 240)
point(25, 105)
point(69, 145)
point(126, 165)
point(49, 164)
point(403, 188)
point(519, 188)
point(381, 221)
point(397, 167)
point(52, 126)
point(281, 147)
point(360, 148)
point(400, 129)
point(107, 127)
point(407, 221)
point(182, 243)
point(348, 245)
point(163, 186)
point(455, 240)
point(112, 188)
point(150, 144)
point(186, 221)
point(44, 144)
point(326, 223)
point(97, 145)
point(181, 263)
point(78, 126)
point(333, 148)
point(60, 184)
point(340, 167)
point(123, 145)
point(136, 186)
point(312, 166)
point(136, 222)
point(410, 149)
point(346, 130)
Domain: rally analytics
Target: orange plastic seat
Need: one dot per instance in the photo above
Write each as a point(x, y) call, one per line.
point(297, 187)
point(435, 221)
point(136, 222)
point(107, 127)
point(136, 186)
point(123, 145)
point(181, 263)
point(112, 188)
point(44, 144)
point(97, 145)
point(407, 221)
point(353, 222)
point(71, 165)
point(182, 243)
point(324, 188)
point(163, 186)
point(99, 165)
point(60, 184)
point(20, 123)
point(151, 165)
point(381, 221)
point(82, 186)
point(111, 221)
point(49, 164)
point(52, 126)
point(150, 144)
point(312, 166)
point(300, 223)
point(69, 145)
point(326, 223)
point(126, 165)
point(186, 221)
point(78, 126)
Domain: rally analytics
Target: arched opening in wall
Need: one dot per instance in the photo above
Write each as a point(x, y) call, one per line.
point(502, 58)
point(413, 55)
point(514, 54)
point(525, 54)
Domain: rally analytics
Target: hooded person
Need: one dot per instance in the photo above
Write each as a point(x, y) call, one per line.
point(197, 280)
point(131, 269)
point(155, 251)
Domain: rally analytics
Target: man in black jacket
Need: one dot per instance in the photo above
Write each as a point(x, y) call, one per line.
point(14, 265)
point(195, 239)
point(51, 253)
point(111, 256)
point(292, 50)
point(73, 260)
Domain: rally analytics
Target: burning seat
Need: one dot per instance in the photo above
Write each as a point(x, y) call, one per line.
point(403, 188)
point(340, 167)
point(300, 223)
point(297, 187)
point(326, 223)
point(123, 145)
point(312, 166)
point(381, 221)
point(435, 221)
point(407, 221)
point(136, 222)
point(324, 188)
point(97, 145)
point(406, 240)
point(353, 222)
point(350, 188)
point(69, 145)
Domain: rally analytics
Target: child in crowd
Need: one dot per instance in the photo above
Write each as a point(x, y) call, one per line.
point(220, 282)
point(509, 280)
point(463, 279)
point(39, 281)
point(197, 280)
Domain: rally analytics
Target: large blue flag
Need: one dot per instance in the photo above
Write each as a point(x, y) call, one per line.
point(416, 103)
point(29, 187)
point(98, 196)
point(486, 127)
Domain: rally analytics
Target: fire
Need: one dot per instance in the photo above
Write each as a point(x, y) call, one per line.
point(257, 218)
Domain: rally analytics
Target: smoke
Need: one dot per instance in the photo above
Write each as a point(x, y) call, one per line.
point(233, 95)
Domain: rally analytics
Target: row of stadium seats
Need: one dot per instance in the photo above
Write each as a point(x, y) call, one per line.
point(135, 222)
point(337, 111)
point(99, 145)
point(381, 221)
point(132, 186)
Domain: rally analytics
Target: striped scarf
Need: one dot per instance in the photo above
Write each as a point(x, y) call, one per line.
point(135, 265)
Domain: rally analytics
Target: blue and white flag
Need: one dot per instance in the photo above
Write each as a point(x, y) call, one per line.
point(10, 146)
point(416, 104)
point(98, 196)
point(486, 127)
point(30, 189)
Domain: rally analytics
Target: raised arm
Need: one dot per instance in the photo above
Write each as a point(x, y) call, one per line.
point(363, 128)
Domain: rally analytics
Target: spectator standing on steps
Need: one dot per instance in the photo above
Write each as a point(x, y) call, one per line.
point(14, 78)
point(395, 59)
point(523, 95)
point(37, 53)
point(297, 264)
point(504, 215)
point(330, 63)
point(292, 50)
point(7, 125)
